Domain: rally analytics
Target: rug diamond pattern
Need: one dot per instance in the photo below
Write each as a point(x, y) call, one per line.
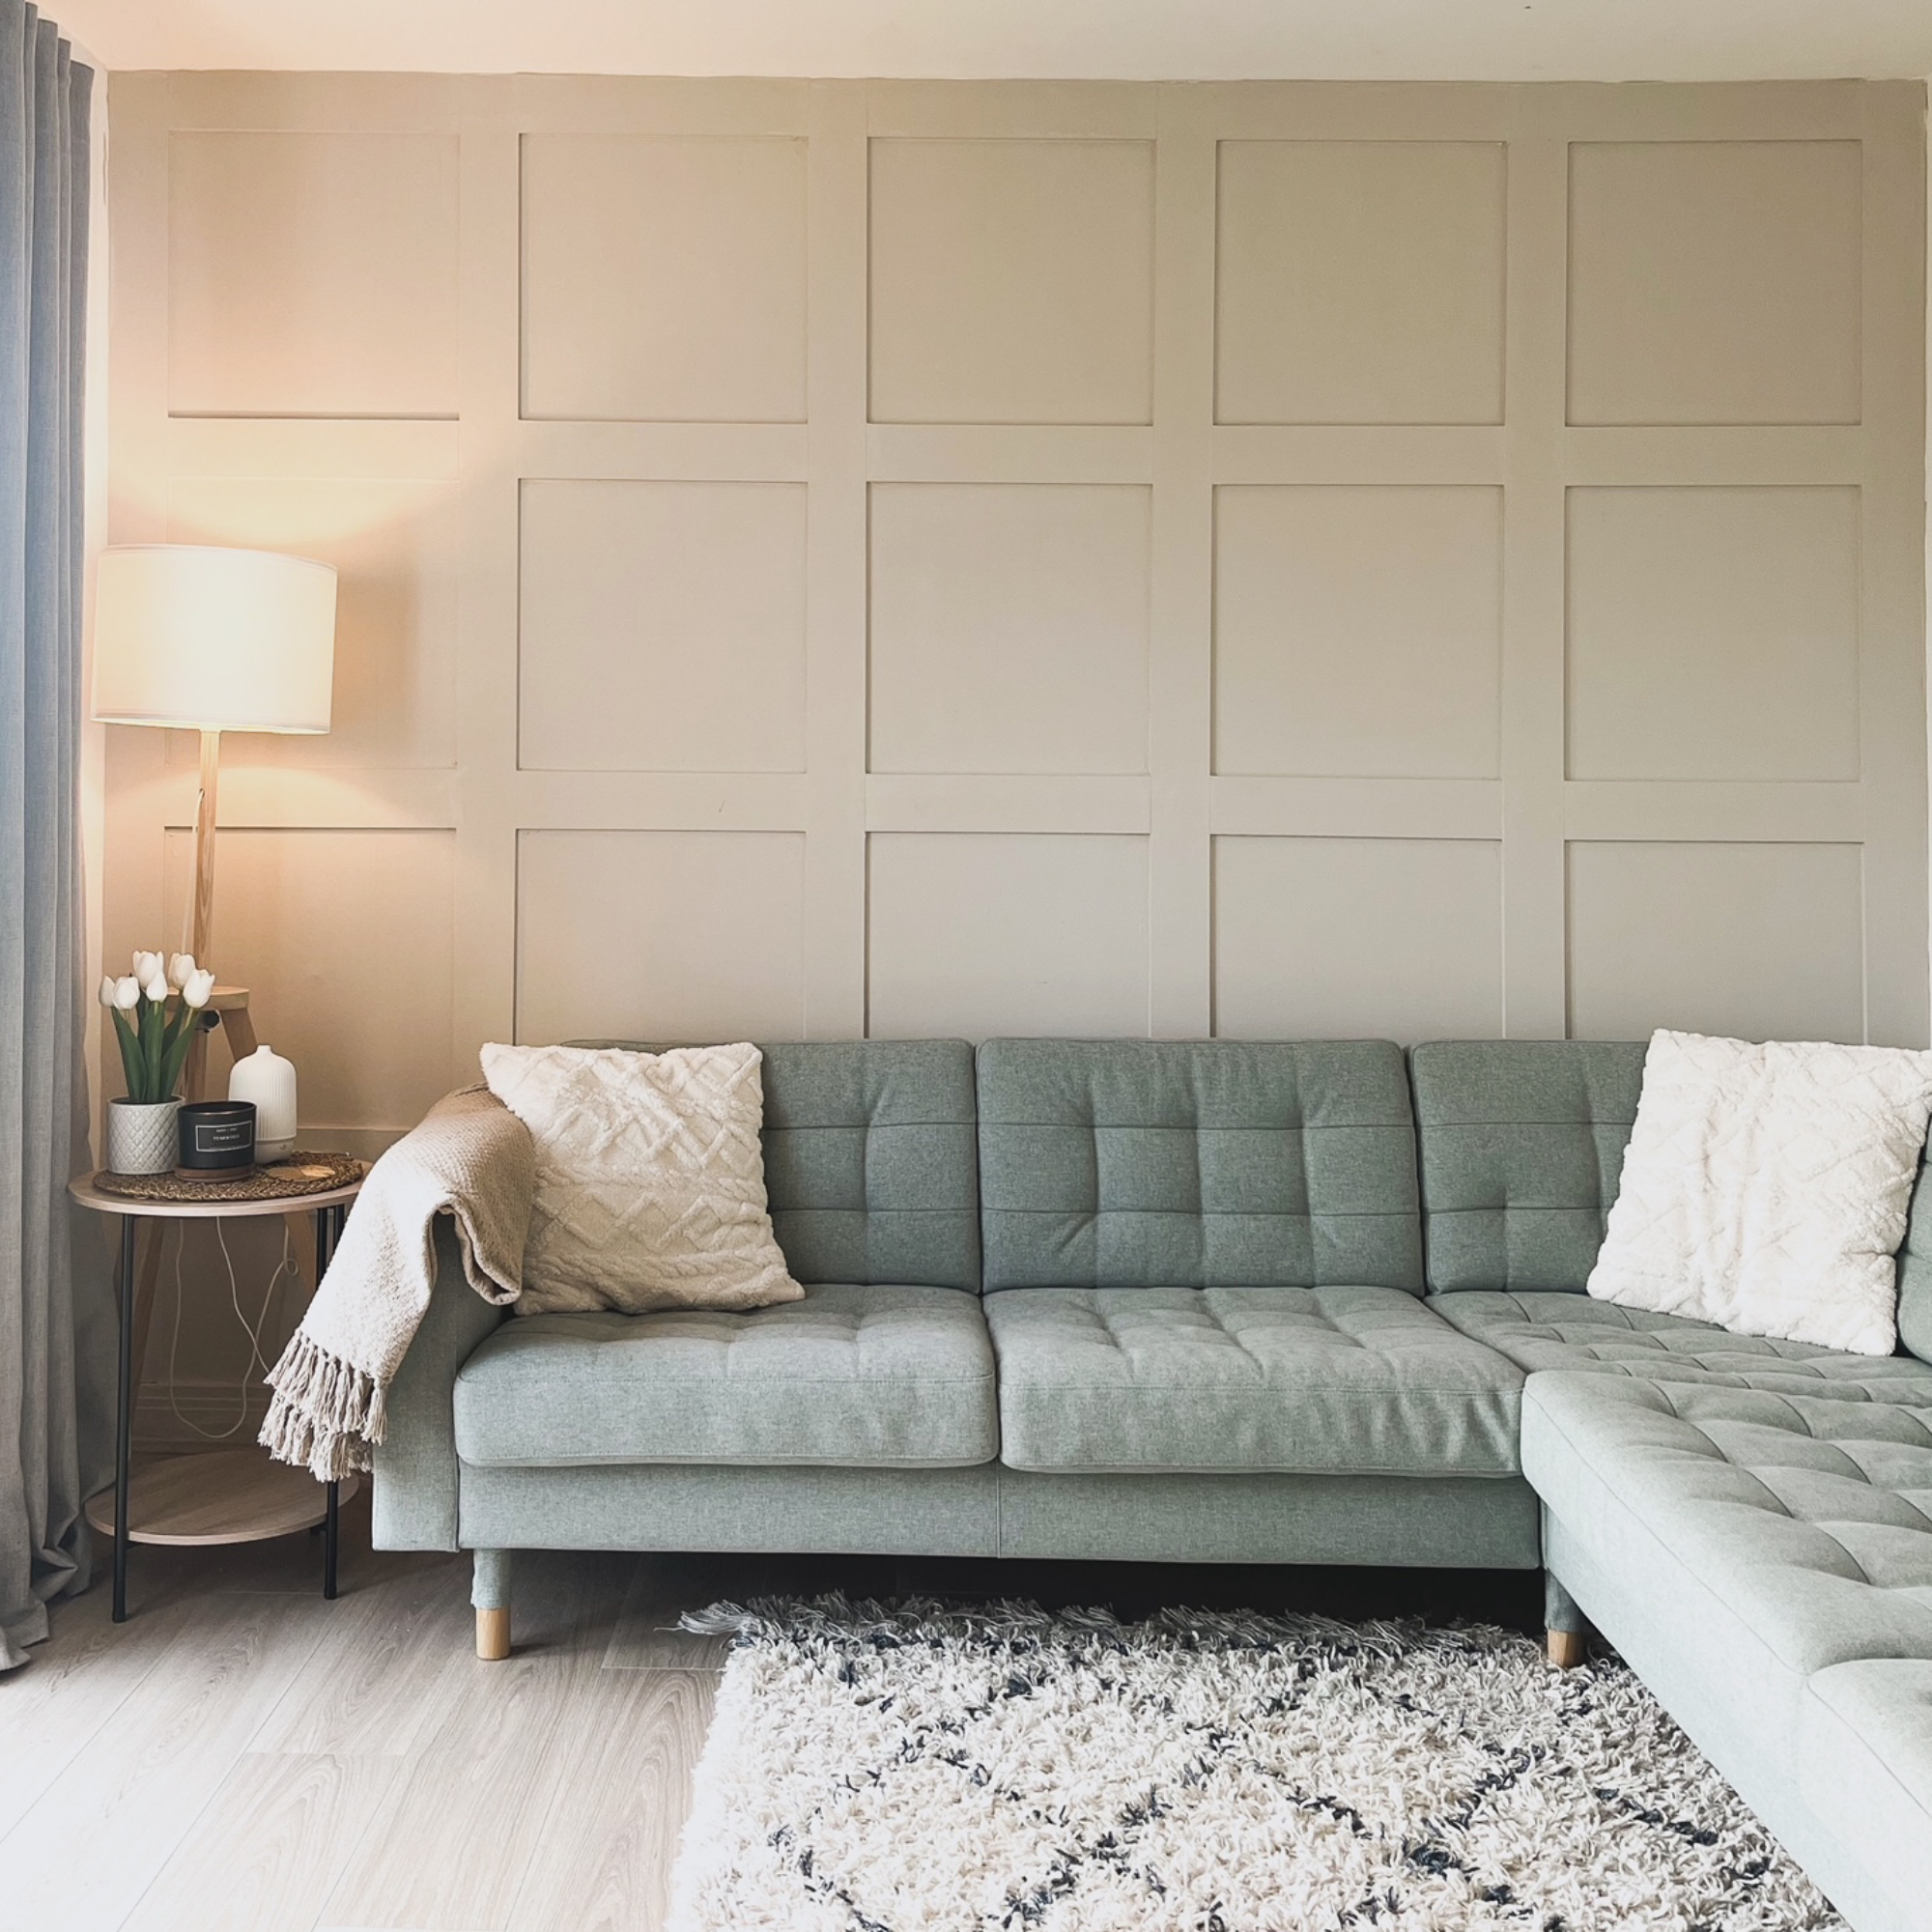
point(923, 1770)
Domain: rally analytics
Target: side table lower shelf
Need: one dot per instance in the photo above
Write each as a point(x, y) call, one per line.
point(221, 1495)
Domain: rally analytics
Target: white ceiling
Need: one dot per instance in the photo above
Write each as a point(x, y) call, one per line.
point(1412, 39)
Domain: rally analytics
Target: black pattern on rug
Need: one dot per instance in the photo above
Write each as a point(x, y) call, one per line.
point(924, 1768)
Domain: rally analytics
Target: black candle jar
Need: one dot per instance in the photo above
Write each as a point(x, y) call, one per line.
point(218, 1137)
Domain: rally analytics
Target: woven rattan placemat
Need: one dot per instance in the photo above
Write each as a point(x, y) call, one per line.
point(289, 1179)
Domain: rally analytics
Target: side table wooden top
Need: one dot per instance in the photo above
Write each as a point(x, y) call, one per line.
point(102, 1201)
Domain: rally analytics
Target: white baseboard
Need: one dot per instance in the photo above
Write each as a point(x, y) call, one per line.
point(204, 1406)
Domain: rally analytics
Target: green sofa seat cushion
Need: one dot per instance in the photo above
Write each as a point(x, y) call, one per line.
point(1571, 1331)
point(1287, 1380)
point(883, 1376)
point(1771, 1536)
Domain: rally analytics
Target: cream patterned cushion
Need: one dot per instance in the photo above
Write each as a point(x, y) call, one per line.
point(650, 1179)
point(1766, 1188)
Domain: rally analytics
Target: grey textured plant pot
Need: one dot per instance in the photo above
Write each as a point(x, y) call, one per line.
point(141, 1136)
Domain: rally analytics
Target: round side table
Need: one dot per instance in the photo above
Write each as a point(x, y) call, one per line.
point(238, 1495)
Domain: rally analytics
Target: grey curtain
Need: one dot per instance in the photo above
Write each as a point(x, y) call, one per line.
point(56, 1336)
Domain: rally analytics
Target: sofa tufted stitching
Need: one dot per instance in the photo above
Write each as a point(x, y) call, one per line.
point(731, 1337)
point(858, 1373)
point(1362, 1381)
point(1557, 1331)
point(1221, 1323)
point(1085, 1180)
point(1746, 1446)
point(1642, 1522)
point(1206, 1322)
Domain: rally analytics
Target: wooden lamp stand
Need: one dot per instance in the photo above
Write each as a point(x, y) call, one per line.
point(227, 1008)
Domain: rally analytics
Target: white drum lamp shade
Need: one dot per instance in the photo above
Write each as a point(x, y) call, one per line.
point(212, 640)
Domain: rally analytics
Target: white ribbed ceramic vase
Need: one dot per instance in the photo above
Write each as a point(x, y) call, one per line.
point(143, 1137)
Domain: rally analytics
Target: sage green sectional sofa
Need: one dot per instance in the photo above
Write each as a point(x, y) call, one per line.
point(1201, 1302)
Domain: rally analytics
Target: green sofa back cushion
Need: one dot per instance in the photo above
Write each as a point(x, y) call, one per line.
point(1523, 1145)
point(1197, 1164)
point(869, 1159)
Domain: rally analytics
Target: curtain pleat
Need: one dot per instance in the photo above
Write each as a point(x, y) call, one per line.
point(56, 1314)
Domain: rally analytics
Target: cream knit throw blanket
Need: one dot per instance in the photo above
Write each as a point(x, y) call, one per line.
point(470, 1158)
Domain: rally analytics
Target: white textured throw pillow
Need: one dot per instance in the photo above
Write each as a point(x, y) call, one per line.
point(650, 1182)
point(1766, 1188)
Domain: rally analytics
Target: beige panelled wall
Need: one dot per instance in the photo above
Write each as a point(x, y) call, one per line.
point(940, 558)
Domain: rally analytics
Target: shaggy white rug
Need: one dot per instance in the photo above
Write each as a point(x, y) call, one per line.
point(917, 1768)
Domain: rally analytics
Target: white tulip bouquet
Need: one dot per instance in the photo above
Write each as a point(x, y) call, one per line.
point(155, 1043)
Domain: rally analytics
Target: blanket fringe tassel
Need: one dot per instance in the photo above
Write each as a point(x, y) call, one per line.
point(325, 1414)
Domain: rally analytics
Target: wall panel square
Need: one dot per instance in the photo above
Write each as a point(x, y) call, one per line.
point(664, 280)
point(985, 933)
point(1713, 633)
point(393, 544)
point(1008, 628)
point(1012, 281)
point(1715, 281)
point(345, 942)
point(312, 275)
point(1762, 942)
point(1358, 938)
point(1357, 631)
point(662, 626)
point(693, 936)
point(1359, 282)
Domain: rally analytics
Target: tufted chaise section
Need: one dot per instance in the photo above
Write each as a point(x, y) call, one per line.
point(1743, 1547)
point(1864, 1761)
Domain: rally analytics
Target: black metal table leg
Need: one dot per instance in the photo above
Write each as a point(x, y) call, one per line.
point(124, 1425)
point(328, 1231)
point(329, 1543)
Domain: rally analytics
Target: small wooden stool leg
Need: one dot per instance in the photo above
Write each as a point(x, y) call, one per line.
point(493, 1635)
point(1568, 1649)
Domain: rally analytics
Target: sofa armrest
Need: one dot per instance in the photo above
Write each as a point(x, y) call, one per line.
point(417, 1477)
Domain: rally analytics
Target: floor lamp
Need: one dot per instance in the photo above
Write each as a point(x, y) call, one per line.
point(202, 639)
point(208, 640)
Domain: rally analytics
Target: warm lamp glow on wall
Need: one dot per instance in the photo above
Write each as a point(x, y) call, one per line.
point(208, 640)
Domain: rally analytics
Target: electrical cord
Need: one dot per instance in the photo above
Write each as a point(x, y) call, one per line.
point(256, 1359)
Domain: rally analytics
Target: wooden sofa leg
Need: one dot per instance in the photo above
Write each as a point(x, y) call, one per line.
point(490, 1595)
point(493, 1635)
point(1567, 1648)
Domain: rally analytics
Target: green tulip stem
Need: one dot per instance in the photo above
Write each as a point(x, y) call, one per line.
point(175, 1051)
point(151, 1052)
point(130, 1054)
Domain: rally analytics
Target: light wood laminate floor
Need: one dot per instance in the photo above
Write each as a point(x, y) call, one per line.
point(241, 1757)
